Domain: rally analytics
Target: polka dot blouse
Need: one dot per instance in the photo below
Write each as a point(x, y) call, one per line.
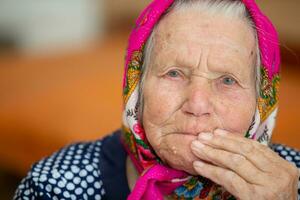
point(93, 170)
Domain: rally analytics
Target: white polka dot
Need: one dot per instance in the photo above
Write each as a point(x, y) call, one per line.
point(90, 179)
point(48, 187)
point(73, 197)
point(37, 169)
point(75, 162)
point(44, 172)
point(35, 174)
point(89, 168)
point(78, 157)
point(96, 160)
point(43, 178)
point(56, 190)
point(22, 186)
point(64, 167)
point(52, 181)
point(102, 191)
point(55, 174)
point(69, 175)
point(55, 166)
point(39, 165)
point(41, 186)
point(279, 147)
point(66, 194)
point(97, 185)
point(46, 168)
point(85, 197)
point(70, 186)
point(67, 162)
point(68, 157)
point(54, 198)
point(95, 173)
point(76, 180)
point(85, 161)
point(78, 191)
point(87, 156)
point(83, 173)
point(61, 184)
point(297, 157)
point(293, 153)
point(27, 192)
point(79, 151)
point(90, 191)
point(289, 158)
point(83, 184)
point(75, 169)
point(283, 152)
point(97, 197)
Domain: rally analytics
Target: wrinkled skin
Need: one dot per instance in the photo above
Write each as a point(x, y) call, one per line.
point(201, 77)
point(199, 100)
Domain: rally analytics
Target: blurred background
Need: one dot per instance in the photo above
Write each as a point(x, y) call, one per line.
point(61, 65)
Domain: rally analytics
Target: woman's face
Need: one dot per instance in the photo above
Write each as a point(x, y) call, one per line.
point(200, 78)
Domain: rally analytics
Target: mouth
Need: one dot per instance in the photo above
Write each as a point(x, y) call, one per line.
point(183, 133)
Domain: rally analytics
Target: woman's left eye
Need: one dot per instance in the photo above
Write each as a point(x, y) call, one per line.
point(228, 81)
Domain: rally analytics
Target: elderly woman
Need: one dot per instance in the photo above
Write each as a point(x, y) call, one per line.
point(200, 100)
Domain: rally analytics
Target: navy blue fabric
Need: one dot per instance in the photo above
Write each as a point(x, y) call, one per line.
point(113, 166)
point(93, 170)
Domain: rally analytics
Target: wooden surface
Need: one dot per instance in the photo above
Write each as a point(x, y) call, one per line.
point(48, 102)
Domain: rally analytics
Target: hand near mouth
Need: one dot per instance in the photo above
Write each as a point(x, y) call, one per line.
point(244, 167)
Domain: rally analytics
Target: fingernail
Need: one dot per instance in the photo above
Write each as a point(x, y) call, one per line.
point(220, 132)
point(198, 164)
point(197, 145)
point(205, 136)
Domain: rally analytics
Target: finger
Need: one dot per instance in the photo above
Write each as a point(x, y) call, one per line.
point(235, 162)
point(238, 145)
point(268, 152)
point(273, 159)
point(226, 178)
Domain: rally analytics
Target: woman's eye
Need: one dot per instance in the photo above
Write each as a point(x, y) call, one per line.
point(228, 81)
point(173, 74)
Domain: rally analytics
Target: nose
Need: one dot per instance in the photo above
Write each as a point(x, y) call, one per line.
point(198, 99)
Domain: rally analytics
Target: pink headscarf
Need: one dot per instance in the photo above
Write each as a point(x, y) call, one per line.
point(157, 179)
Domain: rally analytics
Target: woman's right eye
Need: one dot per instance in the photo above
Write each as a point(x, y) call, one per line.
point(173, 73)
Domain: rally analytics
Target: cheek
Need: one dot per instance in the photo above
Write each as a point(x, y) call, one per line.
point(236, 112)
point(161, 100)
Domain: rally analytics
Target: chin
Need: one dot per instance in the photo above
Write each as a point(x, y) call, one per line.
point(175, 151)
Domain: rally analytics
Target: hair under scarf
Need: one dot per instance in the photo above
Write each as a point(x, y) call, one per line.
point(157, 179)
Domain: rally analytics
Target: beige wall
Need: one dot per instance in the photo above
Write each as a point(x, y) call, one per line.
point(285, 14)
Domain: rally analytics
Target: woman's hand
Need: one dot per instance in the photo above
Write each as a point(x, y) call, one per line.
point(244, 167)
